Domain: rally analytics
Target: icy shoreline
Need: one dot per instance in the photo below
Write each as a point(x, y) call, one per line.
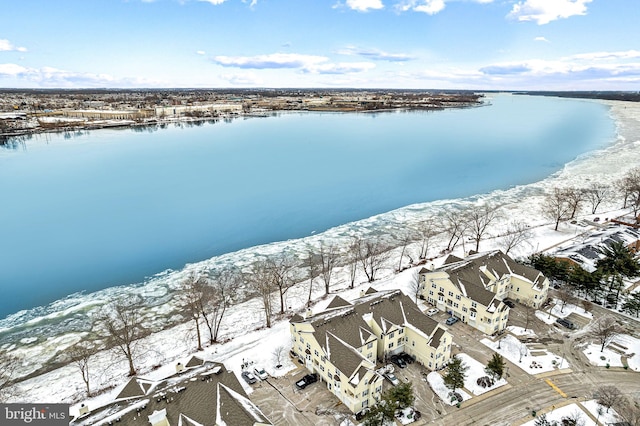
point(66, 321)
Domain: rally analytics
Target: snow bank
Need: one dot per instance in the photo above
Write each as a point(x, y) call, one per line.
point(436, 382)
point(532, 361)
point(573, 410)
point(475, 371)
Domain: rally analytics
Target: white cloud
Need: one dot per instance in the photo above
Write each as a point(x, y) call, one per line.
point(545, 11)
point(375, 54)
point(214, 2)
point(340, 68)
point(12, 70)
point(541, 39)
point(274, 60)
point(242, 79)
point(430, 7)
point(601, 56)
point(200, 52)
point(7, 46)
point(364, 5)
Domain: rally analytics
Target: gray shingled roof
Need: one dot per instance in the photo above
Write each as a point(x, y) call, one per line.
point(182, 397)
point(337, 302)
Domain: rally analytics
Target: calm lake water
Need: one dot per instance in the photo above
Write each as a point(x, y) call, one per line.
point(114, 206)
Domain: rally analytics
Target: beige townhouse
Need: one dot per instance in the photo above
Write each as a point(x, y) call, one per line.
point(346, 342)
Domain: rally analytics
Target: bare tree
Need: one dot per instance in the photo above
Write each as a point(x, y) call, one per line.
point(281, 275)
point(629, 409)
point(260, 276)
point(278, 352)
point(353, 259)
point(193, 298)
point(566, 296)
point(454, 225)
point(587, 306)
point(121, 321)
point(312, 265)
point(415, 286)
point(604, 330)
point(478, 220)
point(328, 258)
point(223, 287)
point(404, 237)
point(373, 255)
point(596, 194)
point(80, 356)
point(426, 230)
point(517, 232)
point(9, 365)
point(556, 206)
point(608, 395)
point(629, 186)
point(574, 197)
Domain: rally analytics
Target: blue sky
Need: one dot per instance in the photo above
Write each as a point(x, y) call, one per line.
point(440, 44)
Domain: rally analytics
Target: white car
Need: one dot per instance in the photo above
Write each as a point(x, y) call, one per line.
point(392, 378)
point(261, 373)
point(432, 311)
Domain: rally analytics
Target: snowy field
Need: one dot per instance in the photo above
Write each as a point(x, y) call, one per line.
point(532, 360)
point(622, 345)
point(560, 311)
point(475, 371)
point(243, 322)
point(520, 331)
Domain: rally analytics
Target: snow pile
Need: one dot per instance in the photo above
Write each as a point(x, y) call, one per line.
point(571, 410)
point(538, 360)
point(562, 312)
point(545, 317)
point(436, 382)
point(475, 371)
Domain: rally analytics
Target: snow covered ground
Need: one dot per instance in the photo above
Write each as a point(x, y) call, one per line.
point(622, 345)
point(559, 311)
point(475, 371)
point(520, 331)
point(601, 414)
point(436, 382)
point(242, 324)
point(571, 410)
point(529, 357)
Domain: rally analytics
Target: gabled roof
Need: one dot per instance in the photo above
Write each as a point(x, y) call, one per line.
point(135, 388)
point(236, 409)
point(337, 302)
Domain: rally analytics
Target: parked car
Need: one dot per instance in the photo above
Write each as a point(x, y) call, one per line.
point(397, 360)
point(407, 358)
point(566, 323)
point(392, 378)
point(261, 373)
point(451, 320)
point(307, 380)
point(509, 303)
point(249, 377)
point(432, 311)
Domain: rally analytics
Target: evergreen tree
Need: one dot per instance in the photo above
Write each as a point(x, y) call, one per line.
point(618, 262)
point(632, 304)
point(543, 421)
point(495, 366)
point(381, 413)
point(455, 374)
point(402, 395)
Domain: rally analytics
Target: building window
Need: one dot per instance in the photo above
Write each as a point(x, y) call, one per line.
point(365, 392)
point(391, 345)
point(370, 345)
point(474, 305)
point(450, 294)
point(441, 298)
point(455, 304)
point(308, 345)
point(316, 353)
point(322, 368)
point(330, 377)
point(433, 285)
point(464, 309)
point(301, 339)
point(472, 314)
point(441, 289)
point(458, 297)
point(430, 292)
point(391, 335)
point(518, 289)
point(401, 331)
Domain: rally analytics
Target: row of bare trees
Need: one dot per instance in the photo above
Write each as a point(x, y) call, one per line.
point(564, 203)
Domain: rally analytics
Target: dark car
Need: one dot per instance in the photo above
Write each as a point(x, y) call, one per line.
point(397, 360)
point(307, 380)
point(566, 323)
point(509, 303)
point(407, 358)
point(451, 320)
point(249, 377)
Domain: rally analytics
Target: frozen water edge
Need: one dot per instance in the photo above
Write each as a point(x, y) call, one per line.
point(71, 317)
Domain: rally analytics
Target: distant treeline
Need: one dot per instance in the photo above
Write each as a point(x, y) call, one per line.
point(611, 96)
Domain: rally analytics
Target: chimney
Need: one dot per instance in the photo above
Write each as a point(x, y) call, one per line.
point(159, 418)
point(83, 410)
point(179, 367)
point(308, 313)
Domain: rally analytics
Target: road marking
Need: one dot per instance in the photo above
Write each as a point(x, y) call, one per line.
point(555, 388)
